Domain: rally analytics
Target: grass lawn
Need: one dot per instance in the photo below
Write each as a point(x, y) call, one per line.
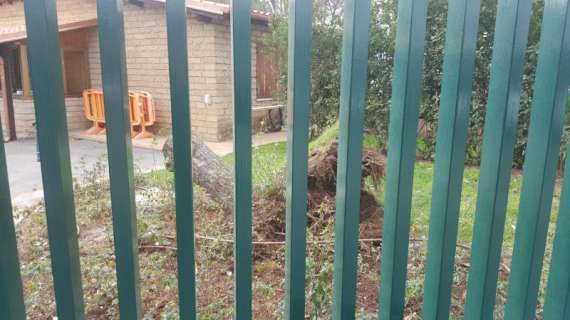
point(156, 228)
point(271, 158)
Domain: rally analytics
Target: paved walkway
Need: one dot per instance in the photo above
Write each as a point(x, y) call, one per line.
point(220, 148)
point(25, 174)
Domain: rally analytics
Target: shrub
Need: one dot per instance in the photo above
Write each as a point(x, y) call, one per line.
point(325, 82)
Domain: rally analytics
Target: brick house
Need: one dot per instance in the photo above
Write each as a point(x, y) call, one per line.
point(147, 63)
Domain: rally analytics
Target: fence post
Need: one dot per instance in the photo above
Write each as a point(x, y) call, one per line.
point(458, 66)
point(176, 22)
point(241, 63)
point(546, 123)
point(300, 30)
point(557, 304)
point(119, 149)
point(406, 94)
point(509, 48)
point(47, 81)
point(11, 295)
point(354, 85)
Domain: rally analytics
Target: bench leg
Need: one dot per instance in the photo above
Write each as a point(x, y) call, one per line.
point(94, 130)
point(143, 134)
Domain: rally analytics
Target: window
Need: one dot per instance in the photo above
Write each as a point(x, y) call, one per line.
point(265, 72)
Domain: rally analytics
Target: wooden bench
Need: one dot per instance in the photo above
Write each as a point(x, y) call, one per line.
point(272, 126)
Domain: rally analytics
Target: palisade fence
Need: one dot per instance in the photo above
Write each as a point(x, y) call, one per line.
point(551, 84)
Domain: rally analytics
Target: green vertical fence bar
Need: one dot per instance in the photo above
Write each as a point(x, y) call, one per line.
point(176, 23)
point(557, 304)
point(11, 294)
point(546, 123)
point(299, 86)
point(458, 66)
point(406, 94)
point(241, 62)
point(511, 34)
point(119, 148)
point(354, 85)
point(47, 82)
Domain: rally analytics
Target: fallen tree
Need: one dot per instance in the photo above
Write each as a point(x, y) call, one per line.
point(215, 177)
point(269, 217)
point(208, 171)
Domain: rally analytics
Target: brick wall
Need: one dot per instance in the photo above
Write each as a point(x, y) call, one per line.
point(24, 116)
point(75, 116)
point(147, 56)
point(209, 49)
point(223, 67)
point(12, 20)
point(12, 15)
point(147, 61)
point(147, 65)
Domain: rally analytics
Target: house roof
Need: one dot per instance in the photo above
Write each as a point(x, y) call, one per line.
point(21, 35)
point(200, 7)
point(206, 8)
point(216, 9)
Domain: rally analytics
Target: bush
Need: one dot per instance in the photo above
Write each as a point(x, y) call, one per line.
point(327, 46)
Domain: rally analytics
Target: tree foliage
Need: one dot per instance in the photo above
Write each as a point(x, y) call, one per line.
point(325, 73)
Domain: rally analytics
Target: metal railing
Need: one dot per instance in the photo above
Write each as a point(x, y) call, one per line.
point(544, 139)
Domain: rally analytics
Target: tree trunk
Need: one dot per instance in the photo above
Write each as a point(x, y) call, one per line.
point(208, 171)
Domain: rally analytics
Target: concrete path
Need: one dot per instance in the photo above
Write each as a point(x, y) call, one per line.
point(25, 174)
point(220, 148)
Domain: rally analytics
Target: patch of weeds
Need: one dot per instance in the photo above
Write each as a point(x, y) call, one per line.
point(320, 290)
point(156, 226)
point(319, 263)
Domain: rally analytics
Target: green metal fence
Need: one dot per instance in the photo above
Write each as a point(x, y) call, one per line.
point(544, 139)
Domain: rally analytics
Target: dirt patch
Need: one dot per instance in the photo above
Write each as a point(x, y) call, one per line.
point(269, 208)
point(323, 164)
point(95, 233)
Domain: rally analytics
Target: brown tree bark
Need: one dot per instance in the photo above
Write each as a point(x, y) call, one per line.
point(208, 171)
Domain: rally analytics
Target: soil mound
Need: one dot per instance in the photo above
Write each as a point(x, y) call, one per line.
point(269, 218)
